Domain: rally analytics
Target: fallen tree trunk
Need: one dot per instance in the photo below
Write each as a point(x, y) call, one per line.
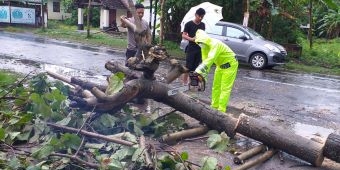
point(280, 138)
point(332, 148)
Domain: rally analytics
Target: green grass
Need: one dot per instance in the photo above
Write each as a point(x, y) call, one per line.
point(296, 65)
point(6, 79)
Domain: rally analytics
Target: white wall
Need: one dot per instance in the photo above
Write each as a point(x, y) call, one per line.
point(56, 15)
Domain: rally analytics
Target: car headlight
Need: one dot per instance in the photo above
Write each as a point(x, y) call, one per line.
point(272, 48)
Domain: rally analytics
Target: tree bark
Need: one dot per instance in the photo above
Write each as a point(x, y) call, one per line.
point(332, 148)
point(174, 137)
point(277, 137)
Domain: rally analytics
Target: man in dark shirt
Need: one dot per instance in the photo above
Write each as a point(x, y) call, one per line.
point(193, 51)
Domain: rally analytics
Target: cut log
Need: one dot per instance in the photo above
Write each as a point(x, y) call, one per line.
point(248, 154)
point(174, 137)
point(277, 137)
point(265, 156)
point(332, 148)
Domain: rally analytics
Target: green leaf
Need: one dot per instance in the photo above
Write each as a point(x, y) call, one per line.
point(108, 120)
point(227, 168)
point(184, 156)
point(115, 165)
point(13, 135)
point(14, 163)
point(65, 121)
point(209, 163)
point(24, 136)
point(33, 167)
point(138, 155)
point(213, 140)
point(219, 143)
point(143, 120)
point(43, 152)
point(70, 140)
point(123, 153)
point(115, 83)
point(167, 162)
point(39, 106)
point(2, 134)
point(130, 137)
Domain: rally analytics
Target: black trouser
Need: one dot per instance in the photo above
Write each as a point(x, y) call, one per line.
point(130, 53)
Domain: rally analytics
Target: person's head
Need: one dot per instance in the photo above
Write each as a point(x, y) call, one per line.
point(139, 10)
point(202, 38)
point(200, 12)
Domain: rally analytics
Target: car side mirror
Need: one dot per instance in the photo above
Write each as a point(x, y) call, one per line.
point(243, 37)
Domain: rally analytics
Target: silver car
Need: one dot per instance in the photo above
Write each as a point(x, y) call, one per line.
point(249, 46)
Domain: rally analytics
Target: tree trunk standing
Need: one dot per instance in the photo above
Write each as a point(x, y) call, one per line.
point(246, 13)
point(154, 22)
point(282, 139)
point(88, 19)
point(310, 29)
point(332, 149)
point(161, 32)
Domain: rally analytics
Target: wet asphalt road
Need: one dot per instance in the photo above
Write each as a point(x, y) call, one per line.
point(284, 97)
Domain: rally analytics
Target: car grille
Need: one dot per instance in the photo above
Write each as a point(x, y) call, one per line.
point(278, 58)
point(283, 52)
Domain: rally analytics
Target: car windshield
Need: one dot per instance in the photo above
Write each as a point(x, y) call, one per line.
point(254, 33)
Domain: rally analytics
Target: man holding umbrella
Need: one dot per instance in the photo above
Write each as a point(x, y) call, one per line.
point(193, 51)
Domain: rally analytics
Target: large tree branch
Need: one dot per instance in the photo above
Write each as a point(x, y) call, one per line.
point(91, 134)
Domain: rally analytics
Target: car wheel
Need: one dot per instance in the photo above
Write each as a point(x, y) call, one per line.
point(258, 61)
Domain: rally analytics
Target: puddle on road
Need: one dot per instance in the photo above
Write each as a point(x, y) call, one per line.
point(310, 131)
point(25, 66)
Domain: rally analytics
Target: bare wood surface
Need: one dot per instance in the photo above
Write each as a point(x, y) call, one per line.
point(115, 66)
point(91, 134)
point(332, 148)
point(174, 137)
point(87, 84)
point(265, 156)
point(277, 137)
point(248, 154)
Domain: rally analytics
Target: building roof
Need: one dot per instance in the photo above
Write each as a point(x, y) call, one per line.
point(110, 4)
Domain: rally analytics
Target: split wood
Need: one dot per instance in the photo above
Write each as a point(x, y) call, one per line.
point(265, 156)
point(248, 154)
